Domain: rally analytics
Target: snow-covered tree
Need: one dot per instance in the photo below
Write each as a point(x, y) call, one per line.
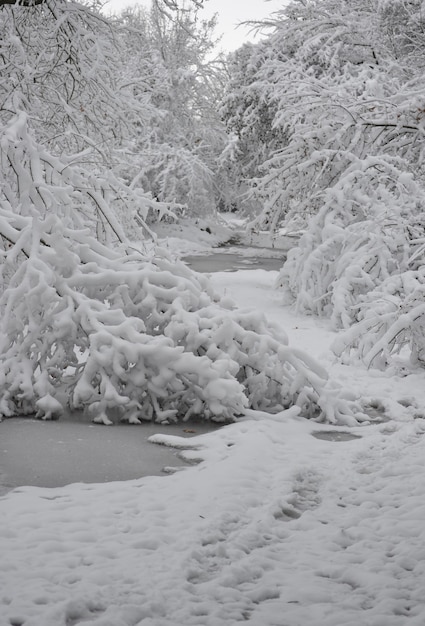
point(296, 112)
point(248, 113)
point(59, 73)
point(115, 330)
point(336, 91)
point(369, 182)
point(321, 88)
point(88, 319)
point(170, 57)
point(57, 65)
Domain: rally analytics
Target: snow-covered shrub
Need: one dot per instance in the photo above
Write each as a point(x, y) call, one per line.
point(108, 330)
point(174, 174)
point(361, 236)
point(96, 323)
point(391, 321)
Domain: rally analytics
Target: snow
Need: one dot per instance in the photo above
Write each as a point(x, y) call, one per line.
point(274, 525)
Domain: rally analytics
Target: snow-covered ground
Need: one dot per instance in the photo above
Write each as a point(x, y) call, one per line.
point(274, 527)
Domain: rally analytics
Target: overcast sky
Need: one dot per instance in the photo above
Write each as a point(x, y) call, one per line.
point(230, 13)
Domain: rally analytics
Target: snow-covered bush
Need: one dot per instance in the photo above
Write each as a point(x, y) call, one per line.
point(91, 328)
point(109, 328)
point(361, 236)
point(391, 323)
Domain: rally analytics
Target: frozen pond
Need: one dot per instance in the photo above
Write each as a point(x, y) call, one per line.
point(248, 259)
point(72, 449)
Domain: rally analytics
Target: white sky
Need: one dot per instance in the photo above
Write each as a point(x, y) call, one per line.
point(230, 13)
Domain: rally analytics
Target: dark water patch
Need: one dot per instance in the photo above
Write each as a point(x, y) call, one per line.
point(334, 435)
point(56, 453)
point(230, 262)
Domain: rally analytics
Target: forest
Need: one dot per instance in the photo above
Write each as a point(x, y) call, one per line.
point(111, 124)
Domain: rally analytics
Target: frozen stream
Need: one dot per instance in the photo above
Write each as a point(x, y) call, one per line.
point(56, 453)
point(232, 259)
